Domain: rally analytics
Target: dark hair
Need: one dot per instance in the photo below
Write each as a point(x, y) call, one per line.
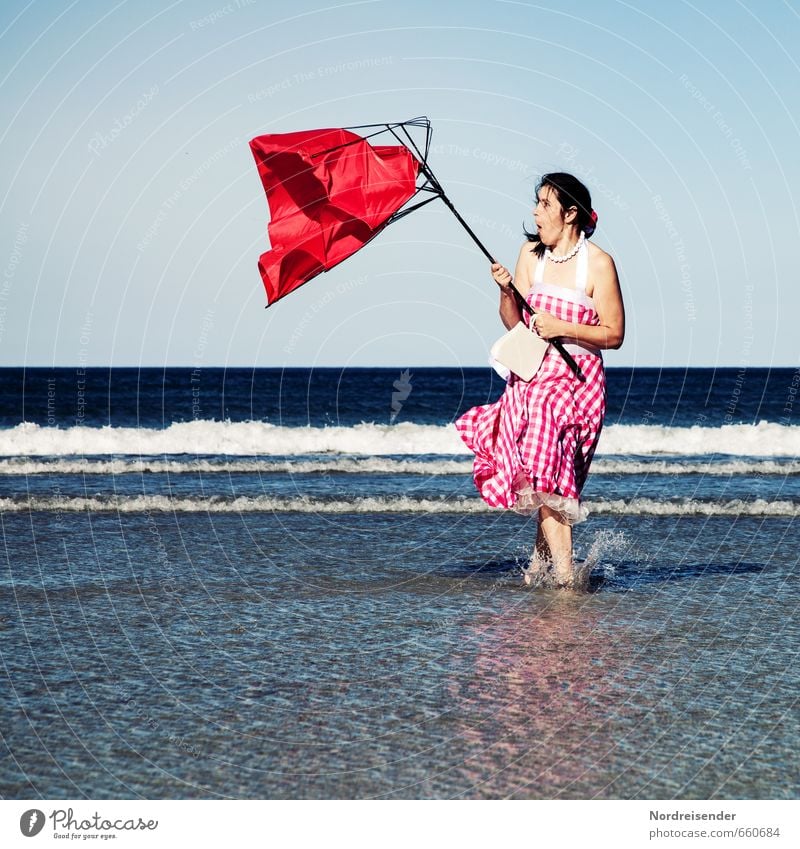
point(569, 191)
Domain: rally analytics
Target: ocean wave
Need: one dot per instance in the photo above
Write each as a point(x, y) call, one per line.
point(782, 468)
point(434, 466)
point(382, 504)
point(693, 507)
point(338, 465)
point(242, 504)
point(231, 439)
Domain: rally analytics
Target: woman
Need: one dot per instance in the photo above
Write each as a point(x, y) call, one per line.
point(534, 446)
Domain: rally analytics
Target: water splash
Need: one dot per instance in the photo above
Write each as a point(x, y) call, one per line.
point(607, 544)
point(541, 572)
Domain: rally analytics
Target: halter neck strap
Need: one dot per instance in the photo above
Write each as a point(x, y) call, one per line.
point(581, 268)
point(582, 271)
point(538, 274)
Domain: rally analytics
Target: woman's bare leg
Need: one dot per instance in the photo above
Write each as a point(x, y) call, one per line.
point(540, 559)
point(558, 537)
point(542, 549)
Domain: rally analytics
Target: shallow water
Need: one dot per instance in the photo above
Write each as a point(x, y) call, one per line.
point(281, 595)
point(395, 655)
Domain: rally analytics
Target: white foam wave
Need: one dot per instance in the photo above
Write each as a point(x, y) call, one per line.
point(371, 465)
point(766, 439)
point(341, 465)
point(690, 507)
point(388, 504)
point(259, 504)
point(783, 468)
point(230, 439)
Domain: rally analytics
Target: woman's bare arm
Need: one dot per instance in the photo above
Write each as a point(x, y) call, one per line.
point(607, 297)
point(510, 313)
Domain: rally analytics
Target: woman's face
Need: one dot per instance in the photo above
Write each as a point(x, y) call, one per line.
point(549, 216)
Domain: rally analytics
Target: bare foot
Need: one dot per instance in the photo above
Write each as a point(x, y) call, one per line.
point(580, 580)
point(537, 570)
point(563, 574)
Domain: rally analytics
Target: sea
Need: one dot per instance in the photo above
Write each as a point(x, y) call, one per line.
point(282, 584)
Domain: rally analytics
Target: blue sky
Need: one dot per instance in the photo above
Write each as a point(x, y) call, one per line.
point(133, 217)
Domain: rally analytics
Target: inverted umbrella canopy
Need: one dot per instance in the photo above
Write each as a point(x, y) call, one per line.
point(329, 192)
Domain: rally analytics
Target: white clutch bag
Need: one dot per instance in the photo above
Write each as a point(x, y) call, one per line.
point(520, 350)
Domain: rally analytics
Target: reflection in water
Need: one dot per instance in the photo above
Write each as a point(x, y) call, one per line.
point(548, 690)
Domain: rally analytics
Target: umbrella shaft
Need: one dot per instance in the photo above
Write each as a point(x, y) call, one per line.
point(523, 304)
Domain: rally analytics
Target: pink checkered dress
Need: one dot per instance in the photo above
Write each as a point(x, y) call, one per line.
point(535, 444)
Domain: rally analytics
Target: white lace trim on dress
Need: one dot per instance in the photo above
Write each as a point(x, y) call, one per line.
point(529, 501)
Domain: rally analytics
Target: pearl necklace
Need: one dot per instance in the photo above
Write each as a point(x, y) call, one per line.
point(566, 257)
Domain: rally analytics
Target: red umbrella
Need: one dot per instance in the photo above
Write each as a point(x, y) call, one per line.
point(330, 191)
